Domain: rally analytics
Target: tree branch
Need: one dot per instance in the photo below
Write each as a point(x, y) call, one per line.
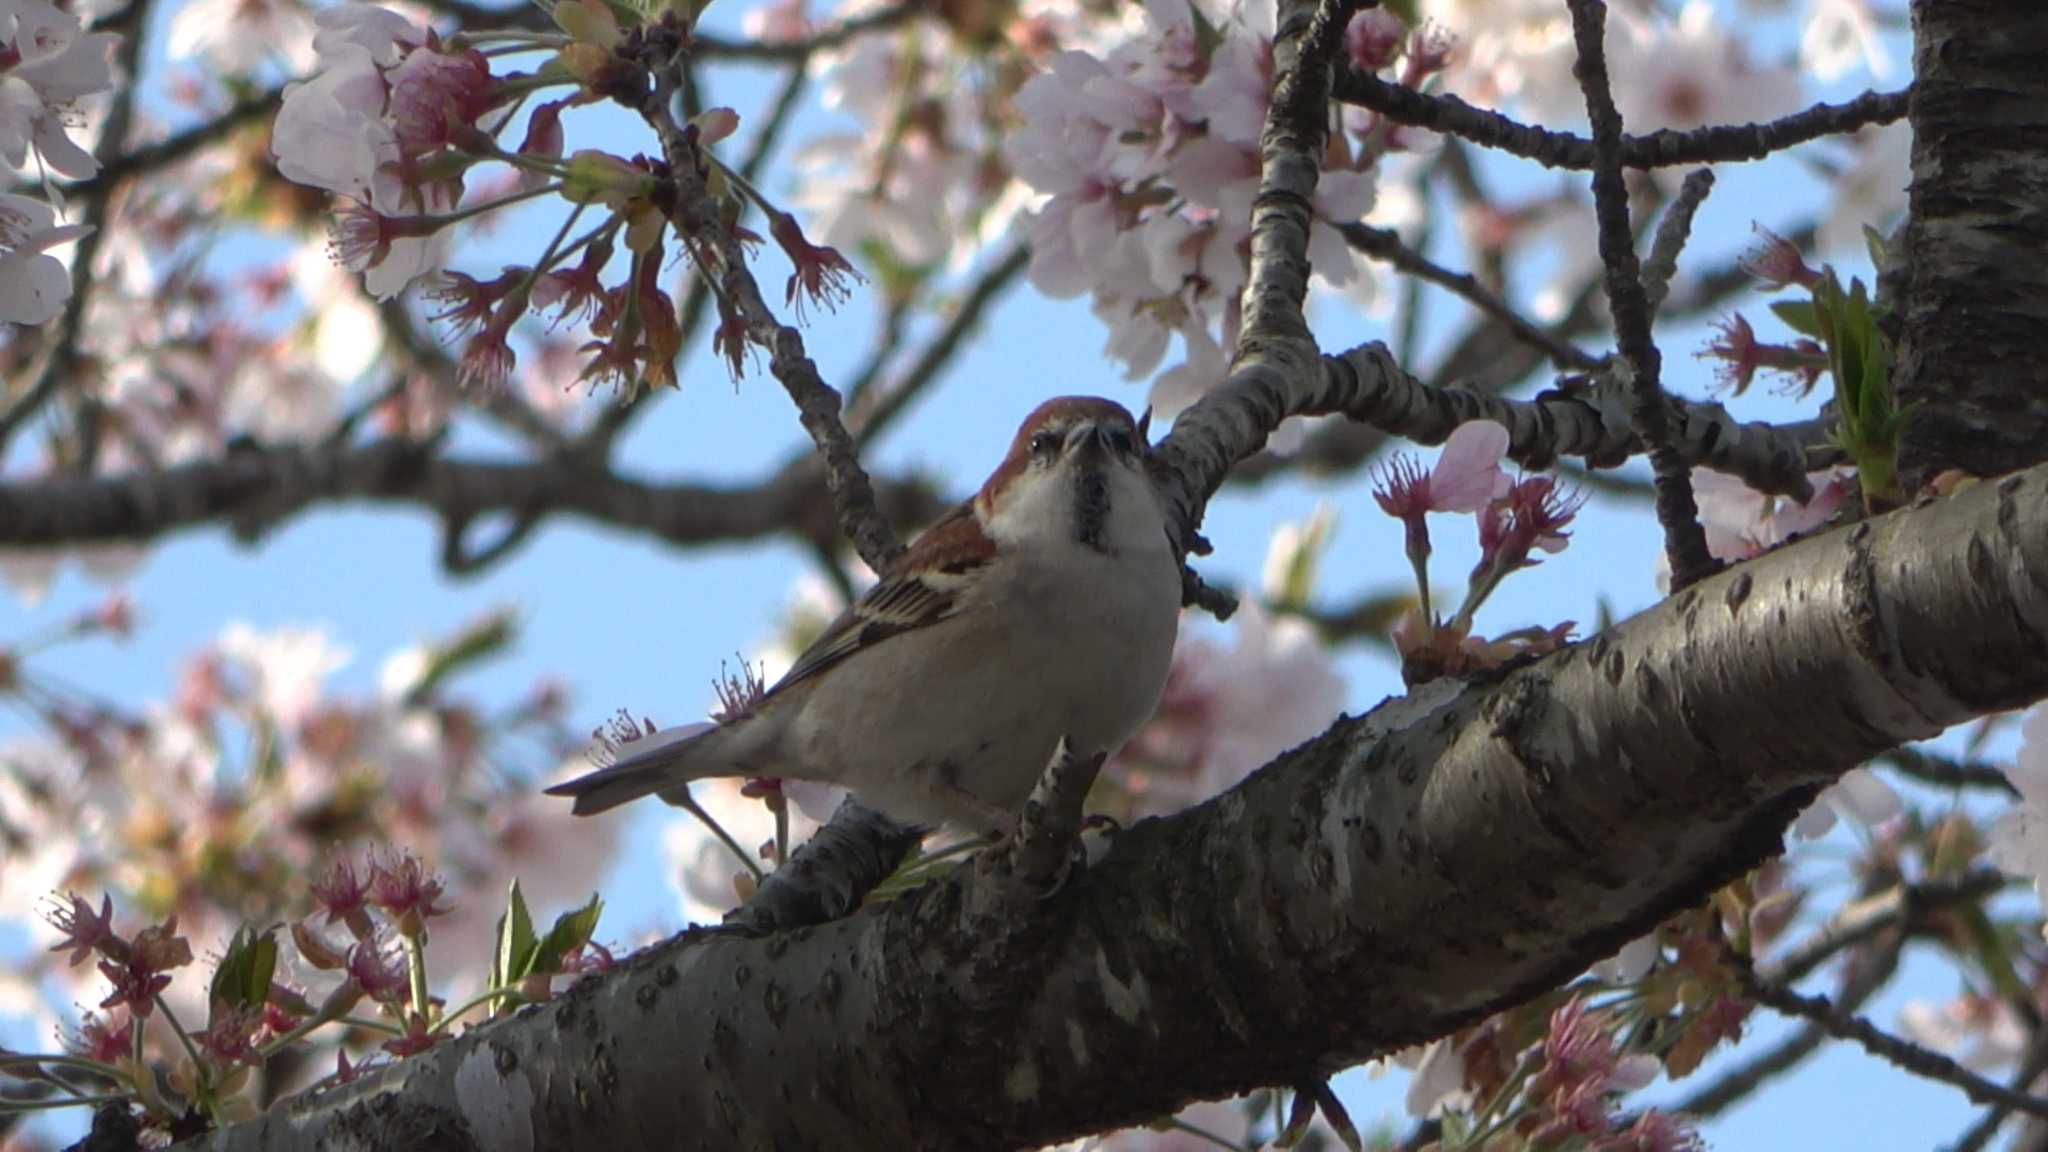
point(1662, 149)
point(1564, 807)
point(1920, 1061)
point(253, 489)
point(1685, 540)
point(695, 216)
point(1969, 361)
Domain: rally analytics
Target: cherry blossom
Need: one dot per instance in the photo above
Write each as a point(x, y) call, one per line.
point(1741, 522)
point(34, 285)
point(1984, 1033)
point(1146, 159)
point(2018, 842)
point(240, 37)
point(1226, 711)
point(56, 63)
point(1860, 795)
point(1839, 36)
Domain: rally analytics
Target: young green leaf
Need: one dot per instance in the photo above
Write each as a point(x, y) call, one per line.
point(514, 955)
point(1799, 316)
point(243, 978)
point(571, 930)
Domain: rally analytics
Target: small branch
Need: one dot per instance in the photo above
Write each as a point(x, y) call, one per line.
point(1685, 540)
point(254, 489)
point(1366, 385)
point(830, 874)
point(1941, 772)
point(2032, 1065)
point(172, 149)
point(1903, 1054)
point(1672, 232)
point(1737, 1083)
point(696, 218)
point(1485, 359)
point(1857, 922)
point(1663, 149)
point(831, 35)
point(1275, 354)
point(1038, 857)
point(1384, 244)
point(605, 430)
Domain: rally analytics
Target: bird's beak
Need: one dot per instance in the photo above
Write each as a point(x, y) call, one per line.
point(1086, 436)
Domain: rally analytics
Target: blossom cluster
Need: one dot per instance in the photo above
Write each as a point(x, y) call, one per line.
point(1517, 518)
point(395, 118)
point(1147, 155)
point(49, 65)
point(209, 805)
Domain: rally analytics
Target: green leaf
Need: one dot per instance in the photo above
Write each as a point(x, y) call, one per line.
point(514, 955)
point(484, 638)
point(571, 930)
point(243, 978)
point(1874, 241)
point(1409, 11)
point(1798, 315)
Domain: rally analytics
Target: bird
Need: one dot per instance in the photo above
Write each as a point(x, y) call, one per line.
point(1044, 607)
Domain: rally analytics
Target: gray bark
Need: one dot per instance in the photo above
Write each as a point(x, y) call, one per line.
point(1976, 304)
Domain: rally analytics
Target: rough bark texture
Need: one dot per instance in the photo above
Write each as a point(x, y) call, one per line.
point(1297, 923)
point(1976, 305)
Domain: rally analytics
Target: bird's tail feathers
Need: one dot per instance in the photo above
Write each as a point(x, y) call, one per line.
point(648, 766)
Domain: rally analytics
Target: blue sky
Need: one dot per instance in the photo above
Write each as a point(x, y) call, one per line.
point(628, 623)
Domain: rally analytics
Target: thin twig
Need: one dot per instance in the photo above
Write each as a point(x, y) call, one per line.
point(1737, 1083)
point(1903, 1054)
point(1385, 244)
point(1685, 540)
point(254, 489)
point(1859, 921)
point(1664, 149)
point(696, 218)
point(172, 149)
point(1979, 1135)
point(605, 430)
point(1672, 232)
point(1941, 772)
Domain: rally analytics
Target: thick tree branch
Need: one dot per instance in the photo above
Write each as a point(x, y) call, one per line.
point(1662, 149)
point(253, 489)
point(1293, 925)
point(1274, 346)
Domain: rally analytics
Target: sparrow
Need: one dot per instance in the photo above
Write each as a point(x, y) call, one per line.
point(1045, 606)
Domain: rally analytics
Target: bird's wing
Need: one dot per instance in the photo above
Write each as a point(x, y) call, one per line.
point(925, 585)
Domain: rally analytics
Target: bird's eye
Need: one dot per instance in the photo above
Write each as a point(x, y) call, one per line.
point(1120, 442)
point(1045, 443)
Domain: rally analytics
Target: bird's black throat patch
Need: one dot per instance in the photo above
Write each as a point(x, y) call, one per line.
point(1091, 507)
